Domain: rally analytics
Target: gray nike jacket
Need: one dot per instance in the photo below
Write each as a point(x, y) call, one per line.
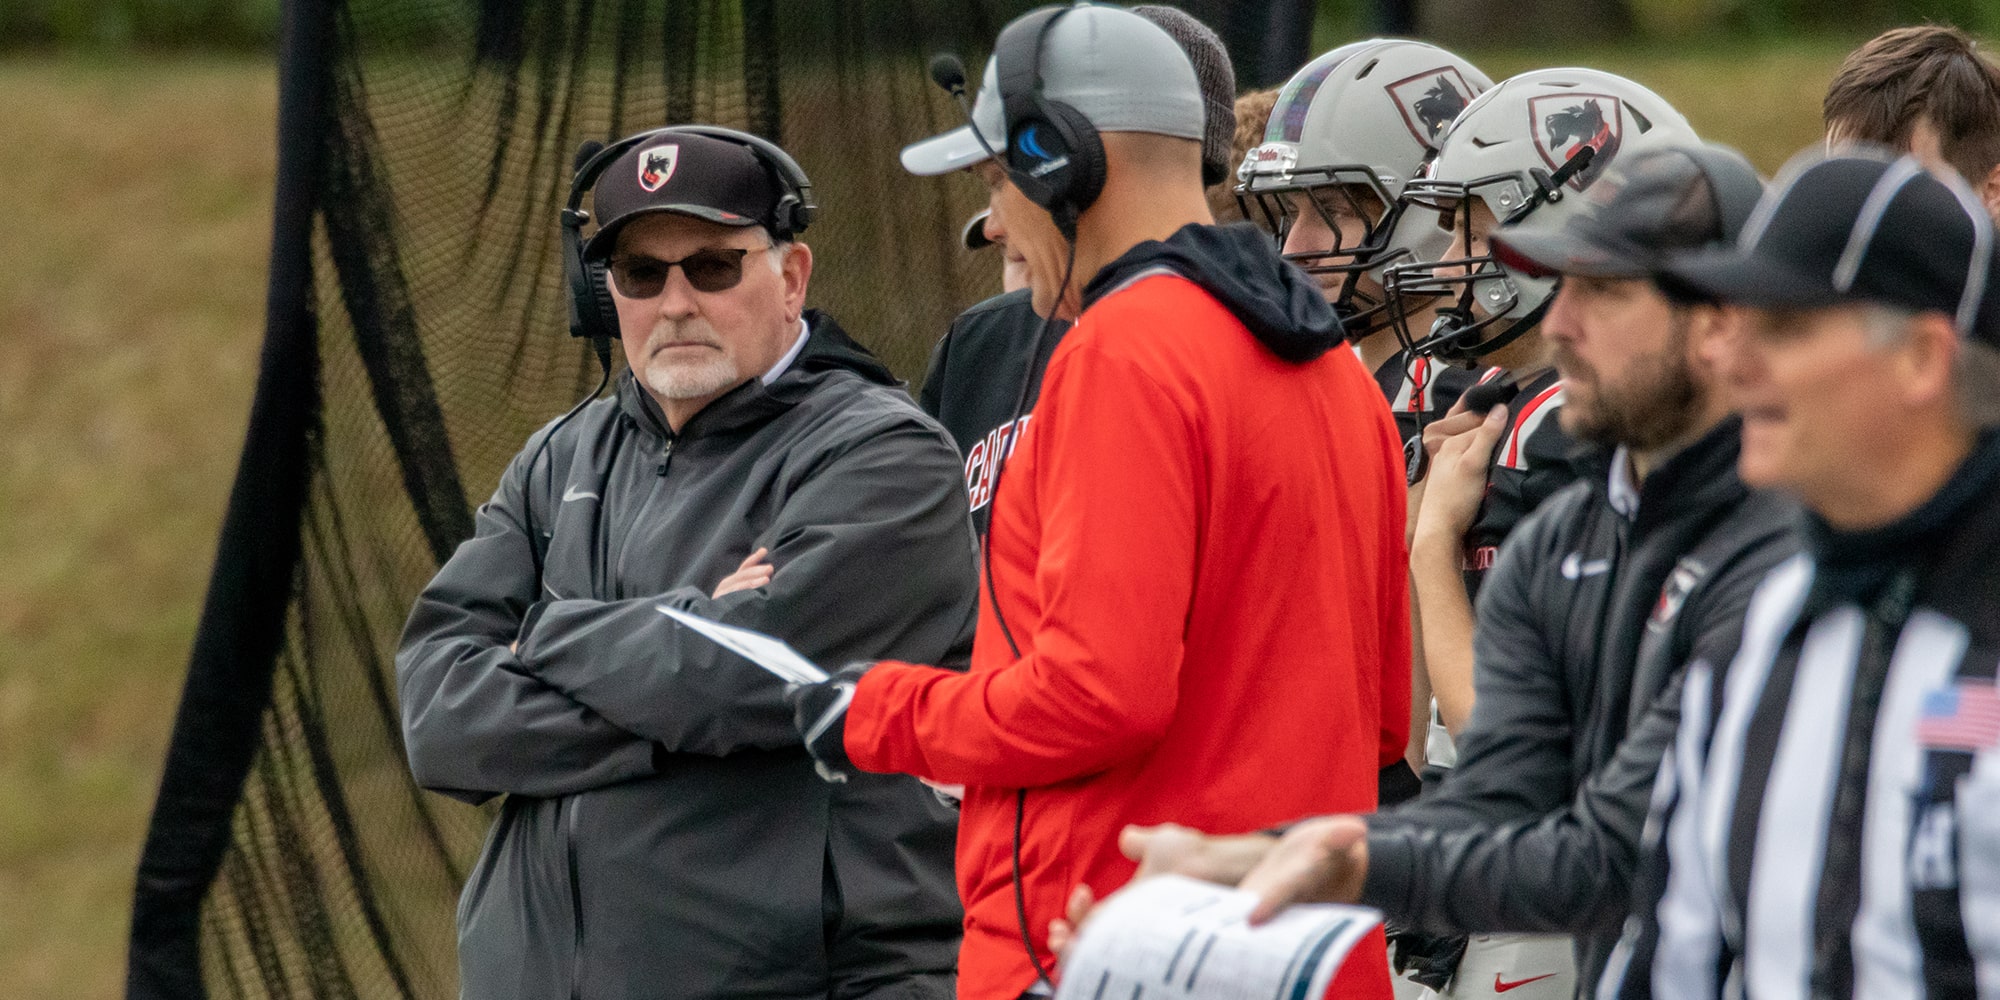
point(1599, 600)
point(663, 834)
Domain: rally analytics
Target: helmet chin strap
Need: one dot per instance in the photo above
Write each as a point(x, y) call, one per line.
point(1455, 325)
point(1452, 351)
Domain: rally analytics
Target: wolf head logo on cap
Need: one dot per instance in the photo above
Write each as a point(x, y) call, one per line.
point(656, 165)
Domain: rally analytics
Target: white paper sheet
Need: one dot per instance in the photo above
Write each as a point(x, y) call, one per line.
point(771, 654)
point(1174, 938)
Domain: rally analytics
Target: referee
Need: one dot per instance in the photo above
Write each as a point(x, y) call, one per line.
point(1831, 807)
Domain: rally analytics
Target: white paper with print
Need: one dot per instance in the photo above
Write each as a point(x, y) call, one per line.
point(1175, 938)
point(771, 654)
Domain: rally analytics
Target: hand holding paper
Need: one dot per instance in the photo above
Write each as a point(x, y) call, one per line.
point(819, 700)
point(1175, 938)
point(771, 654)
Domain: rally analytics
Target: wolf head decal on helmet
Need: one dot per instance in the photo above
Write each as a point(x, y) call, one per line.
point(1349, 130)
point(1524, 147)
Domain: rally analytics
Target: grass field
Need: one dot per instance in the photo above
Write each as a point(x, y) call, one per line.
point(136, 194)
point(137, 199)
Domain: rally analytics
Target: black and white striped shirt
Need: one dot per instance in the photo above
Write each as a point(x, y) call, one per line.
point(1827, 824)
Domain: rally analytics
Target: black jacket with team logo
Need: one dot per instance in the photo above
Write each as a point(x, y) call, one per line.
point(1829, 820)
point(1597, 601)
point(664, 834)
point(975, 379)
point(1533, 460)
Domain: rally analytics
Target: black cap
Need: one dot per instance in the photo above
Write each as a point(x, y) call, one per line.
point(1858, 228)
point(974, 233)
point(688, 174)
point(1662, 201)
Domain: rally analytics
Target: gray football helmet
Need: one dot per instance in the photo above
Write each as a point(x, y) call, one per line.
point(1523, 147)
point(1349, 130)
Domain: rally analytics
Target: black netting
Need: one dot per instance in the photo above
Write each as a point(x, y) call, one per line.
point(415, 337)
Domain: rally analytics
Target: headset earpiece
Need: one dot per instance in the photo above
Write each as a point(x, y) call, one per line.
point(592, 314)
point(1054, 154)
point(605, 319)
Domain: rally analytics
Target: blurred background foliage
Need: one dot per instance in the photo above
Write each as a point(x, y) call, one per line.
point(136, 181)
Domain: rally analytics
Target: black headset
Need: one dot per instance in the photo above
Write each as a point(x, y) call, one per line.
point(1054, 154)
point(592, 314)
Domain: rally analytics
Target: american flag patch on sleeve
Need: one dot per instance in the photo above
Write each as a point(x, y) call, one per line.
point(1965, 716)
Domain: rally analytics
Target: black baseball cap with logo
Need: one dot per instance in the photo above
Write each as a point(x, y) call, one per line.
point(687, 174)
point(1659, 202)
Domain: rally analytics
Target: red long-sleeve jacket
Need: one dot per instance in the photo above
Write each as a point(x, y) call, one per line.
point(1198, 548)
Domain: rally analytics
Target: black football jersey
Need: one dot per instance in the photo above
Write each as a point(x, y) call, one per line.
point(974, 379)
point(1532, 461)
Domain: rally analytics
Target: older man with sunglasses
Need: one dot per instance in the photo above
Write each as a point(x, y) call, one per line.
point(663, 834)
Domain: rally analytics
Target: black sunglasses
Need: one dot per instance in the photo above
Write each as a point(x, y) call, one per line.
point(707, 270)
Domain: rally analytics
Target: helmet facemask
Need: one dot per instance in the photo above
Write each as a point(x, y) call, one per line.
point(1347, 235)
point(1473, 303)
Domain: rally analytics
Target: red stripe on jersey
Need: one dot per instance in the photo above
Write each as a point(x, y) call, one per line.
point(1514, 444)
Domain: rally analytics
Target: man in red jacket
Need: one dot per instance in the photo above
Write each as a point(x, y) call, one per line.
point(1197, 596)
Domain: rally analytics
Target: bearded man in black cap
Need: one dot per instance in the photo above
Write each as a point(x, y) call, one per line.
point(663, 834)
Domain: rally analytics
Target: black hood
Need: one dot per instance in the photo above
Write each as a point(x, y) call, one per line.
point(1238, 265)
point(828, 349)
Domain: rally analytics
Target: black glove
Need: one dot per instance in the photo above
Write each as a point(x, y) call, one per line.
point(820, 711)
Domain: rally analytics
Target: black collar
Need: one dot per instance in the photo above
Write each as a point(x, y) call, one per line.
point(1854, 565)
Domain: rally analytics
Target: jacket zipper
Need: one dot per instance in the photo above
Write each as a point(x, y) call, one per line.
point(659, 472)
point(567, 810)
point(1833, 953)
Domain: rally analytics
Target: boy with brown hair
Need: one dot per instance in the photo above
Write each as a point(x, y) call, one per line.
point(1929, 89)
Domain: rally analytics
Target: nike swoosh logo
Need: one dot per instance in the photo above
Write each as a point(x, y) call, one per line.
point(1502, 986)
point(1574, 568)
point(576, 494)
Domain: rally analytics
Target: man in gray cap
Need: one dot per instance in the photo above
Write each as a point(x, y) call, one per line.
point(1597, 601)
point(1831, 814)
point(974, 385)
point(663, 834)
point(1195, 427)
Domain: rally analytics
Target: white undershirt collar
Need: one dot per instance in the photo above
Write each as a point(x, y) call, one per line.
point(790, 356)
point(1623, 489)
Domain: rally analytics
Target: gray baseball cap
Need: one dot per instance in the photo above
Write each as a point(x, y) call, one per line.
point(1119, 70)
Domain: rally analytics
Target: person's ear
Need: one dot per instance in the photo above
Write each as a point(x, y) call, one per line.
point(1927, 360)
point(1709, 329)
point(1989, 192)
point(797, 273)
